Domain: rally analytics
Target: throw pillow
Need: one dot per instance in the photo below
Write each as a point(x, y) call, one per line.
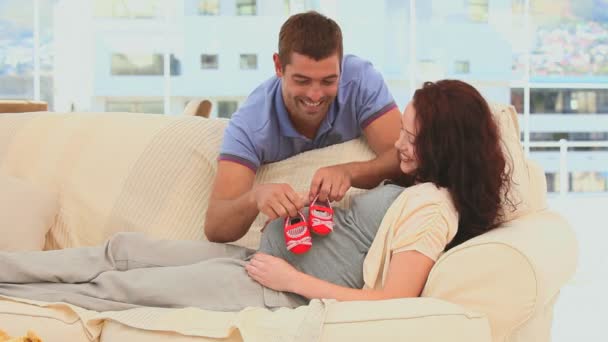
point(26, 214)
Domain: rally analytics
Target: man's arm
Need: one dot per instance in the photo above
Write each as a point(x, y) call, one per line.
point(381, 136)
point(231, 209)
point(235, 202)
point(332, 182)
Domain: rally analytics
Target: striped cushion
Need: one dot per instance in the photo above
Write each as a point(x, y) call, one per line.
point(115, 171)
point(298, 171)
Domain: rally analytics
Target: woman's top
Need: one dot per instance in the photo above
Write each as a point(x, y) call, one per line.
point(422, 219)
point(339, 256)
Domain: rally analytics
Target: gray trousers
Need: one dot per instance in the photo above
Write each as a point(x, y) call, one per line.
point(131, 270)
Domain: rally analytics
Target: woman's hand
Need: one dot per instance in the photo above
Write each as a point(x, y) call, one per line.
point(272, 272)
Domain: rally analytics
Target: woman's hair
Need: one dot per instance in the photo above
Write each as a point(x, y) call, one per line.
point(458, 147)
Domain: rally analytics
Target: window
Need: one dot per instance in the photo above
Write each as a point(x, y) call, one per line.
point(246, 7)
point(552, 181)
point(142, 65)
point(16, 49)
point(209, 62)
point(570, 38)
point(602, 101)
point(518, 6)
point(570, 136)
point(579, 181)
point(588, 181)
point(134, 9)
point(296, 6)
point(143, 106)
point(175, 66)
point(47, 52)
point(209, 7)
point(517, 99)
point(565, 101)
point(478, 11)
point(461, 67)
point(225, 109)
point(427, 66)
point(249, 61)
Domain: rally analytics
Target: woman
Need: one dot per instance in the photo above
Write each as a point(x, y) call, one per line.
point(452, 190)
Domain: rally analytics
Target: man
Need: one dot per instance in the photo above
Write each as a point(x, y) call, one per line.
point(317, 98)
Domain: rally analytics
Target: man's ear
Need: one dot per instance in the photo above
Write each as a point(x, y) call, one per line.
point(278, 70)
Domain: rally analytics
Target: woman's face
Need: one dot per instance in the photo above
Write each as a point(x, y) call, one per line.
point(407, 139)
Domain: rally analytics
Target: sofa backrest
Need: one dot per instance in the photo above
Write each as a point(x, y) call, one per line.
point(115, 171)
point(152, 173)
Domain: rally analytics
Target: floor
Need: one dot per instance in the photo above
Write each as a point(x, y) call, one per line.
point(581, 313)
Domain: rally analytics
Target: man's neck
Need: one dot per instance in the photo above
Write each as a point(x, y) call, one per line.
point(307, 128)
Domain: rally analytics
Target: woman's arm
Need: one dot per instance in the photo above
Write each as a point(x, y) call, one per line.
point(406, 277)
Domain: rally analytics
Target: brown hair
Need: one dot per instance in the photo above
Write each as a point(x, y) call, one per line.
point(458, 147)
point(311, 34)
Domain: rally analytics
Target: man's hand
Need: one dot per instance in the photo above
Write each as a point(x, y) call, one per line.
point(277, 200)
point(330, 183)
point(272, 272)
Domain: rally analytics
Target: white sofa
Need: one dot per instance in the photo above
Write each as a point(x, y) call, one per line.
point(114, 172)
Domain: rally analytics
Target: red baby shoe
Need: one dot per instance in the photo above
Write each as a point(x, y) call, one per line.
point(321, 217)
point(297, 235)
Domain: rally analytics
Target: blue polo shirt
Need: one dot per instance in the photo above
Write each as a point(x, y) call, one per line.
point(261, 132)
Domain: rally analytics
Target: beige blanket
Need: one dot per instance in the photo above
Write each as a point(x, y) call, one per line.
point(254, 324)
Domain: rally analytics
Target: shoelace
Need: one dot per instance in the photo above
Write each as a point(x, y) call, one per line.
point(328, 223)
point(303, 241)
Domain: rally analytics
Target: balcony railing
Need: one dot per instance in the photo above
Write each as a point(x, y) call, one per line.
point(564, 146)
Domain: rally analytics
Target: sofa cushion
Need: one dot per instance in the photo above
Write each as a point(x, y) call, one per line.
point(26, 214)
point(298, 172)
point(528, 186)
point(116, 171)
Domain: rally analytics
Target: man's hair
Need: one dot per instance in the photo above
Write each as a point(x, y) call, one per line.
point(311, 34)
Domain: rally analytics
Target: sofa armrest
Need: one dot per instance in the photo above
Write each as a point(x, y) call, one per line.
point(509, 273)
point(407, 319)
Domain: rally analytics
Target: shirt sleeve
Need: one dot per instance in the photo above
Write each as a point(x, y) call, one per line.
point(431, 223)
point(238, 145)
point(374, 98)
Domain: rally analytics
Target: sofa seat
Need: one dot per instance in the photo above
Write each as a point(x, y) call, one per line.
point(417, 319)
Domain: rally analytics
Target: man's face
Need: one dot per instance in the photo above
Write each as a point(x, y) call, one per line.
point(309, 87)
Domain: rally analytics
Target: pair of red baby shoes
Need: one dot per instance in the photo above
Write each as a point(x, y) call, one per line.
point(297, 229)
